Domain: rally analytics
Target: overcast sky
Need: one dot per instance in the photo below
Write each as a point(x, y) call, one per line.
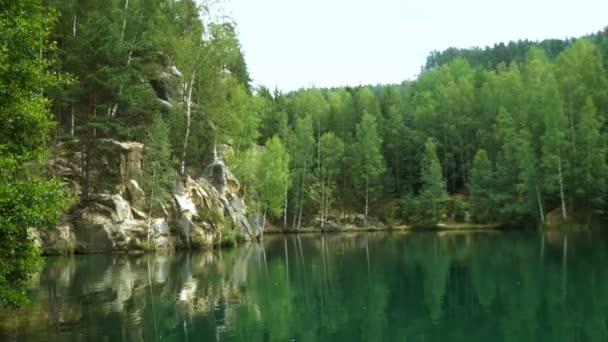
point(298, 43)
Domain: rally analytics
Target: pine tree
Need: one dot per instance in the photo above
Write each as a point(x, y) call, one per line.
point(517, 185)
point(433, 192)
point(481, 189)
point(157, 170)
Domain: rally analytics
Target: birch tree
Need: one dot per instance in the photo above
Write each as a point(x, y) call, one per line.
point(332, 152)
point(302, 150)
point(368, 160)
point(273, 177)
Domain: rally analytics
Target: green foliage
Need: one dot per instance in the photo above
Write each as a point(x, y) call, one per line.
point(273, 176)
point(433, 193)
point(367, 156)
point(331, 154)
point(457, 210)
point(516, 174)
point(157, 167)
point(409, 209)
point(390, 212)
point(590, 170)
point(481, 189)
point(28, 200)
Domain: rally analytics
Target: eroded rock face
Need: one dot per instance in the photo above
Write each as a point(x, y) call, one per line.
point(164, 84)
point(222, 178)
point(118, 218)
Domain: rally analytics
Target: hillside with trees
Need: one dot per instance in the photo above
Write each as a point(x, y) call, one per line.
point(516, 130)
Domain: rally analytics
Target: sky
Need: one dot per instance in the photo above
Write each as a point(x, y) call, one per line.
point(290, 44)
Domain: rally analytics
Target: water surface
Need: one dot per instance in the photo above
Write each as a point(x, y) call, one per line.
point(511, 286)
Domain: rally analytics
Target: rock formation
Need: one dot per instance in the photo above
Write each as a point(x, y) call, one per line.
point(115, 216)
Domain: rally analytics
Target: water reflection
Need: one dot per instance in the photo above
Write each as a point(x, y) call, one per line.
point(358, 287)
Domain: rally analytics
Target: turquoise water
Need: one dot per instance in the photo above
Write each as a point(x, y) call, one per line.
point(490, 286)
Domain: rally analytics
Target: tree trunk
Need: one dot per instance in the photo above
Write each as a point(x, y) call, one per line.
point(264, 219)
point(302, 196)
point(188, 122)
point(540, 206)
point(366, 195)
point(561, 189)
point(285, 210)
point(74, 24)
point(463, 167)
point(300, 213)
point(398, 169)
point(72, 120)
point(114, 108)
point(150, 206)
point(124, 21)
point(571, 117)
point(322, 200)
point(72, 105)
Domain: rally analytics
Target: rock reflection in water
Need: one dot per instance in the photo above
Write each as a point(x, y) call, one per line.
point(522, 286)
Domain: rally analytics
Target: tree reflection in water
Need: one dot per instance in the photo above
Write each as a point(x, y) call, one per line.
point(348, 287)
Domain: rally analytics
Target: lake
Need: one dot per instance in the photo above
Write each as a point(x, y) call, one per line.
point(428, 286)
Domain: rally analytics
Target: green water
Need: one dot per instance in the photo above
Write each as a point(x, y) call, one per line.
point(512, 286)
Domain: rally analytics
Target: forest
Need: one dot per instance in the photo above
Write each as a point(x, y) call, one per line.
point(508, 133)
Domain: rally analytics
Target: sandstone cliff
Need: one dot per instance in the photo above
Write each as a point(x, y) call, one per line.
point(201, 212)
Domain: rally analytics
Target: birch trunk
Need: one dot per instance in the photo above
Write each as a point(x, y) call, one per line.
point(300, 213)
point(72, 106)
point(571, 117)
point(561, 189)
point(124, 21)
point(264, 219)
point(72, 119)
point(366, 195)
point(285, 211)
point(322, 201)
point(114, 108)
point(74, 25)
point(540, 206)
point(302, 196)
point(150, 207)
point(188, 122)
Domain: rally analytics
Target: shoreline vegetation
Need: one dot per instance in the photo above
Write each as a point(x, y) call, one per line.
point(398, 228)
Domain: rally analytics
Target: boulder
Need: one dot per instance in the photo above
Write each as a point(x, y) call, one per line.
point(57, 240)
point(332, 225)
point(360, 220)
